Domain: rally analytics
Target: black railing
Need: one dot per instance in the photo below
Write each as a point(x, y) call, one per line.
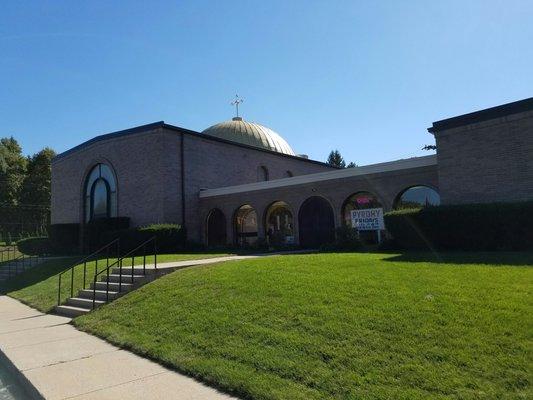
point(9, 253)
point(136, 252)
point(19, 264)
point(95, 256)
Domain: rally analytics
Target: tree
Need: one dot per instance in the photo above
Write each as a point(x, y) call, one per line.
point(351, 165)
point(12, 170)
point(36, 185)
point(335, 159)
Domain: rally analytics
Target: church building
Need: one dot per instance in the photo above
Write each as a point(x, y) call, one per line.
point(238, 182)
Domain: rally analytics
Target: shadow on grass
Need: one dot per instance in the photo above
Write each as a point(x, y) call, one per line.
point(490, 258)
point(36, 274)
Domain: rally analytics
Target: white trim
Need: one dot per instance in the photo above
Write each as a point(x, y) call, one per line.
point(415, 162)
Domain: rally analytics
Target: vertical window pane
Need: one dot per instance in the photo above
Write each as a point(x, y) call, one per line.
point(100, 199)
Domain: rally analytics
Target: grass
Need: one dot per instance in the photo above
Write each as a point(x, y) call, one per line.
point(38, 287)
point(340, 326)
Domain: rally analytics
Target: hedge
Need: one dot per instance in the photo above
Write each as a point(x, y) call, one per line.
point(94, 231)
point(495, 226)
point(169, 237)
point(64, 238)
point(35, 246)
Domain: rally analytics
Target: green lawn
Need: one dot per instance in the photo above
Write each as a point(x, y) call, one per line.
point(342, 326)
point(38, 287)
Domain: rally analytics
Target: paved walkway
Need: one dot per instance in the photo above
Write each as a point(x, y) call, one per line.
point(64, 363)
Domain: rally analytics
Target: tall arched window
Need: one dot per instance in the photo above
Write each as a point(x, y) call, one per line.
point(100, 193)
point(262, 173)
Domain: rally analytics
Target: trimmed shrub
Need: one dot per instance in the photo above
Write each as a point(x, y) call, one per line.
point(35, 246)
point(94, 230)
point(169, 237)
point(496, 226)
point(346, 239)
point(65, 238)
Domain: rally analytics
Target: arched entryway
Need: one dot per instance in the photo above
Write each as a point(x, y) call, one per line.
point(316, 222)
point(361, 201)
point(245, 226)
point(216, 228)
point(278, 224)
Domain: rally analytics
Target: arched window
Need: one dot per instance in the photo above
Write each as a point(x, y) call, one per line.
point(245, 225)
point(289, 174)
point(417, 197)
point(100, 193)
point(279, 225)
point(262, 173)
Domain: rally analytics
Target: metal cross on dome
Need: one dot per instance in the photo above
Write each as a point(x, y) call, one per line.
point(236, 103)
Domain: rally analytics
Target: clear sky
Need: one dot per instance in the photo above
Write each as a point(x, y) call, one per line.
point(366, 77)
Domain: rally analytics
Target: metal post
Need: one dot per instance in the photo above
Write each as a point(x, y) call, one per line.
point(84, 272)
point(144, 259)
point(59, 292)
point(94, 291)
point(132, 263)
point(72, 282)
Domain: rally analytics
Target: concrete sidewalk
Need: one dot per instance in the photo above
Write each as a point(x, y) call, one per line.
point(63, 363)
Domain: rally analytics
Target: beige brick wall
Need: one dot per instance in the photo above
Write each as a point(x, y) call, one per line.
point(489, 161)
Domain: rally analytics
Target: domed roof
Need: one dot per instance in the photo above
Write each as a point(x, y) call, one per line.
point(251, 134)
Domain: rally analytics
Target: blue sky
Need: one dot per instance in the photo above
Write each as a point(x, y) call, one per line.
point(365, 77)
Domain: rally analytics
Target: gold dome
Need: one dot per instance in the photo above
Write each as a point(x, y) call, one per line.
point(251, 134)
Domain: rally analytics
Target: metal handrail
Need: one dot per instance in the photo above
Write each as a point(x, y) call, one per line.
point(119, 263)
point(20, 260)
point(84, 261)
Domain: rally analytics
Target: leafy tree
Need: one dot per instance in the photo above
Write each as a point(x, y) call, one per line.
point(335, 159)
point(36, 185)
point(351, 165)
point(12, 170)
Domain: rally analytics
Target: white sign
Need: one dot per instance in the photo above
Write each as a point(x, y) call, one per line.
point(370, 219)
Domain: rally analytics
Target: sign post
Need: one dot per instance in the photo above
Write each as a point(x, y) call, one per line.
point(369, 219)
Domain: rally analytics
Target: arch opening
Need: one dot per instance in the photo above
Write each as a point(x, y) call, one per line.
point(316, 222)
point(417, 197)
point(361, 201)
point(216, 228)
point(279, 224)
point(245, 226)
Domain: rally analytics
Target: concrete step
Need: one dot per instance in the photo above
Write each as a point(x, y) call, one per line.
point(113, 286)
point(84, 303)
point(136, 270)
point(70, 311)
point(125, 278)
point(100, 294)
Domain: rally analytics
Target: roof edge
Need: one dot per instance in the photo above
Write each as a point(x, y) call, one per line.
point(162, 124)
point(483, 115)
point(111, 135)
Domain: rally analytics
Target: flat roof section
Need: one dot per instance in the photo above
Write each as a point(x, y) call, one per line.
point(483, 115)
point(415, 162)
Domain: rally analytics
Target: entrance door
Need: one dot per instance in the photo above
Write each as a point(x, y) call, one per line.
point(316, 222)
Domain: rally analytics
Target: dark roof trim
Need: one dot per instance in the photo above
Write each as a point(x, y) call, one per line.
point(112, 135)
point(483, 115)
point(161, 124)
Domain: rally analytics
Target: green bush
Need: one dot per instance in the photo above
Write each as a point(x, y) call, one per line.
point(94, 230)
point(496, 226)
point(64, 238)
point(169, 237)
point(35, 246)
point(346, 239)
